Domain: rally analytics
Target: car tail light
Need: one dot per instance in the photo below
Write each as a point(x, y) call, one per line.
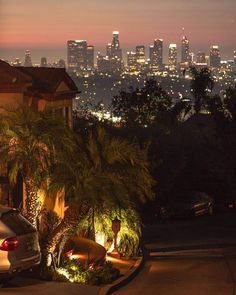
point(9, 244)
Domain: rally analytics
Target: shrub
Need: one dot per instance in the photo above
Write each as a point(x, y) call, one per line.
point(73, 271)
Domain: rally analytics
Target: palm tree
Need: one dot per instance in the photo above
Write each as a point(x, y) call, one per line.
point(28, 143)
point(201, 83)
point(105, 171)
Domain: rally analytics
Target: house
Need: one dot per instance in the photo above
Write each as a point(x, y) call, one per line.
point(41, 88)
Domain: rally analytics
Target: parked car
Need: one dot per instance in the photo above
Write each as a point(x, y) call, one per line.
point(19, 246)
point(190, 204)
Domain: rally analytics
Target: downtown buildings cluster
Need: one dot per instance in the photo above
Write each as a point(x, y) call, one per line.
point(81, 57)
point(101, 76)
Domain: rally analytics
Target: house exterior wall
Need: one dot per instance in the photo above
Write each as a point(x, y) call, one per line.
point(57, 101)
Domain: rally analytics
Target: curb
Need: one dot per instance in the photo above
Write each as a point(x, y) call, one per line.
point(121, 282)
point(191, 247)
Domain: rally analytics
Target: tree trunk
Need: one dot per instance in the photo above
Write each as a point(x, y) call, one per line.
point(32, 203)
point(93, 225)
point(71, 219)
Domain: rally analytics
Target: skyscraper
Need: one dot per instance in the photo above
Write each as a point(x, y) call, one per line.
point(172, 56)
point(132, 60)
point(115, 41)
point(77, 55)
point(184, 50)
point(90, 56)
point(28, 61)
point(109, 50)
point(156, 54)
point(114, 52)
point(215, 56)
point(140, 55)
point(103, 63)
point(201, 57)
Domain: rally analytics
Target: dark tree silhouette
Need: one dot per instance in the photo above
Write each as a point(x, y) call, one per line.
point(201, 84)
point(141, 106)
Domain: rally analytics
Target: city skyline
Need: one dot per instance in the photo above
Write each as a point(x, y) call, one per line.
point(54, 54)
point(49, 24)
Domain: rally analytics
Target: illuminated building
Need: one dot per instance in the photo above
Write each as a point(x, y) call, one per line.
point(90, 56)
point(156, 54)
point(28, 62)
point(77, 55)
point(184, 50)
point(109, 50)
point(113, 59)
point(17, 62)
point(215, 56)
point(191, 57)
point(201, 57)
point(235, 57)
point(131, 60)
point(43, 63)
point(103, 63)
point(114, 52)
point(140, 55)
point(42, 89)
point(172, 56)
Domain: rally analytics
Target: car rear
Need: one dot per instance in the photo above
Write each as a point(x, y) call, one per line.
point(19, 247)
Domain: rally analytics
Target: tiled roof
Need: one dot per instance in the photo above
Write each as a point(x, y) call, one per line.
point(43, 80)
point(10, 75)
point(48, 79)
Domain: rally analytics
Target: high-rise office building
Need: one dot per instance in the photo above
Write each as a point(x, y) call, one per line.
point(103, 63)
point(43, 63)
point(156, 54)
point(131, 60)
point(114, 52)
point(191, 58)
point(77, 55)
point(90, 56)
point(201, 57)
point(140, 55)
point(172, 56)
point(28, 61)
point(113, 59)
point(109, 50)
point(184, 50)
point(115, 40)
point(215, 56)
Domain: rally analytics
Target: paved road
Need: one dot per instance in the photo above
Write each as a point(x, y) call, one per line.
point(180, 275)
point(199, 232)
point(207, 266)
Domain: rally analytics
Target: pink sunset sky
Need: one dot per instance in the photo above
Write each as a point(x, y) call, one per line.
point(50, 23)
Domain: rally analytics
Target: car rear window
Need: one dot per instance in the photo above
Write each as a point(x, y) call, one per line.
point(17, 223)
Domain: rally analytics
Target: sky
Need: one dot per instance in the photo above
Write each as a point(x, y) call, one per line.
point(44, 26)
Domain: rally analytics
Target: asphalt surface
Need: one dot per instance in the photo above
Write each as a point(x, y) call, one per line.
point(184, 276)
point(188, 257)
